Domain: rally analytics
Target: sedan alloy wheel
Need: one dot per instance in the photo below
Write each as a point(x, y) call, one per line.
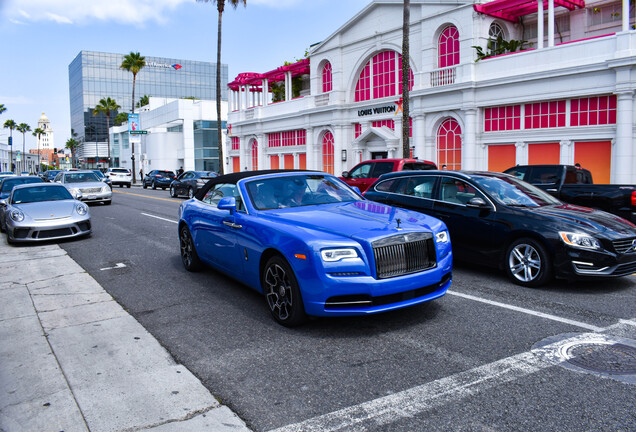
point(173, 192)
point(527, 263)
point(282, 293)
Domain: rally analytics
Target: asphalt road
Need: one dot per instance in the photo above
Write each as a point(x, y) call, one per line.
point(485, 357)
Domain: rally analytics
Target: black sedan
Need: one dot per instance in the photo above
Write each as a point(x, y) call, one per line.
point(158, 178)
point(497, 220)
point(190, 182)
point(49, 175)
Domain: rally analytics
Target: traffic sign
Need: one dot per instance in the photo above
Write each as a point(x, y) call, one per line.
point(138, 132)
point(10, 140)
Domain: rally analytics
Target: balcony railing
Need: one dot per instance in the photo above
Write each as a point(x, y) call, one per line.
point(444, 76)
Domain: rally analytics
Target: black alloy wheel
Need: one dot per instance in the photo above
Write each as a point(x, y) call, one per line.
point(189, 256)
point(282, 293)
point(527, 263)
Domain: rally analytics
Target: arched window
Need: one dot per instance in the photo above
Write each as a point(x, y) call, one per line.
point(327, 85)
point(448, 47)
point(254, 155)
point(381, 77)
point(494, 33)
point(449, 145)
point(327, 153)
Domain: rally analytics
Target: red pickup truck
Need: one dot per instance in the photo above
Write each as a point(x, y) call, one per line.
point(366, 173)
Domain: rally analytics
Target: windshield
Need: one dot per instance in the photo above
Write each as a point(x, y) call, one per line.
point(8, 184)
point(99, 174)
point(513, 192)
point(39, 194)
point(299, 190)
point(81, 178)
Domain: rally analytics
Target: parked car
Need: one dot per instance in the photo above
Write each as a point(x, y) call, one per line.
point(366, 173)
point(190, 182)
point(313, 246)
point(43, 211)
point(158, 178)
point(120, 176)
point(86, 186)
point(6, 174)
point(103, 178)
point(7, 183)
point(49, 175)
point(574, 185)
point(498, 220)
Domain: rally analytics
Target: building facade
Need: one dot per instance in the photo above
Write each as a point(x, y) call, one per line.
point(179, 133)
point(97, 75)
point(565, 97)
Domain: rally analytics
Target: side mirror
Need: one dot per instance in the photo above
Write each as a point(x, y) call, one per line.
point(227, 203)
point(356, 189)
point(345, 174)
point(3, 202)
point(77, 195)
point(477, 202)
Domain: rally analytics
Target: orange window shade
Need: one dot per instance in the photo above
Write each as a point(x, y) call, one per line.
point(501, 157)
point(544, 153)
point(289, 161)
point(273, 160)
point(302, 161)
point(236, 164)
point(595, 156)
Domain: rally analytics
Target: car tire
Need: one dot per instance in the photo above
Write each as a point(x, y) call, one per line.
point(163, 188)
point(128, 185)
point(190, 193)
point(109, 202)
point(282, 292)
point(189, 256)
point(154, 186)
point(173, 192)
point(121, 185)
point(145, 186)
point(527, 263)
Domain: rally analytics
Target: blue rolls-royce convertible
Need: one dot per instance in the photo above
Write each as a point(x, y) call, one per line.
point(313, 246)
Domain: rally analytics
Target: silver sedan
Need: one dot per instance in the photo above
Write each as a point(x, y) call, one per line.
point(86, 186)
point(43, 211)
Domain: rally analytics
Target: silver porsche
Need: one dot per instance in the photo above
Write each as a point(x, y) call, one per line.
point(85, 185)
point(43, 211)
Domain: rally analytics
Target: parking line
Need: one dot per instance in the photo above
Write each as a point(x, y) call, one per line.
point(408, 403)
point(528, 311)
point(159, 217)
point(150, 197)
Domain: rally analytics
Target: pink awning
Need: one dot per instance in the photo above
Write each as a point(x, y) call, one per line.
point(511, 10)
point(255, 79)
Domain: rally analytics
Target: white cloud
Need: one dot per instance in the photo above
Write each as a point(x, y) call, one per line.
point(85, 11)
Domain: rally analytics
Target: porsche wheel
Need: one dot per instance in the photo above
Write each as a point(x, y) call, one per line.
point(282, 293)
point(527, 263)
point(190, 193)
point(173, 192)
point(189, 255)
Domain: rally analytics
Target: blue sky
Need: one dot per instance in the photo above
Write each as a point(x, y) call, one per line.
point(41, 37)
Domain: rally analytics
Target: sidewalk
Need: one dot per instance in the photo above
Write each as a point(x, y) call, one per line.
point(71, 359)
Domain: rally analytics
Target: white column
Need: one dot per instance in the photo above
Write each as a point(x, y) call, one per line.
point(288, 86)
point(550, 23)
point(338, 137)
point(419, 131)
point(398, 130)
point(261, 151)
point(469, 141)
point(521, 155)
point(566, 156)
point(540, 24)
point(246, 99)
point(623, 172)
point(230, 101)
point(309, 148)
point(265, 92)
point(625, 15)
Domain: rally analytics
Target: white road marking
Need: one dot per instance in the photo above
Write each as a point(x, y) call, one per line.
point(158, 217)
point(118, 265)
point(528, 311)
point(411, 402)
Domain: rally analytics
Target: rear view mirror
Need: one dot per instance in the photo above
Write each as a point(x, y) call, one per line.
point(477, 202)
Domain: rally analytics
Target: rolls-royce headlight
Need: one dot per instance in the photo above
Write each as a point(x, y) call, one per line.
point(582, 241)
point(16, 215)
point(81, 209)
point(442, 237)
point(331, 255)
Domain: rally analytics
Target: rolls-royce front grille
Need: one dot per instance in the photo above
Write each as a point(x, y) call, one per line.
point(625, 245)
point(403, 254)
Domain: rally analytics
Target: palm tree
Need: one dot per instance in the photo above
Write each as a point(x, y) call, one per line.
point(38, 132)
point(121, 118)
point(72, 145)
point(23, 128)
point(133, 62)
point(106, 106)
point(406, 127)
point(2, 108)
point(11, 125)
point(144, 100)
point(220, 6)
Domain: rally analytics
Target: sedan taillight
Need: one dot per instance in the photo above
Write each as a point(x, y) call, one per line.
point(634, 199)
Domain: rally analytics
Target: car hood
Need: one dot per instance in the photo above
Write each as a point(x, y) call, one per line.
point(360, 220)
point(594, 221)
point(48, 209)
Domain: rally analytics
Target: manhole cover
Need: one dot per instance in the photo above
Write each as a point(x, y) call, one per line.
point(611, 358)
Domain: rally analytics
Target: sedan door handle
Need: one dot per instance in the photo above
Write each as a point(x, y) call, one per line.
point(232, 225)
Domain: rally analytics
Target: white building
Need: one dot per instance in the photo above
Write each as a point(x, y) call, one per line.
point(567, 97)
point(45, 141)
point(180, 133)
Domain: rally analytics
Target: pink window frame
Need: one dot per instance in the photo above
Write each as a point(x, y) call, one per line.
point(327, 80)
point(381, 77)
point(328, 152)
point(236, 143)
point(542, 115)
point(449, 144)
point(591, 111)
point(502, 118)
point(448, 47)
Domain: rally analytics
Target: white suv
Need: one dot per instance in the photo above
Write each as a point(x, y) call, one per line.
point(120, 176)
